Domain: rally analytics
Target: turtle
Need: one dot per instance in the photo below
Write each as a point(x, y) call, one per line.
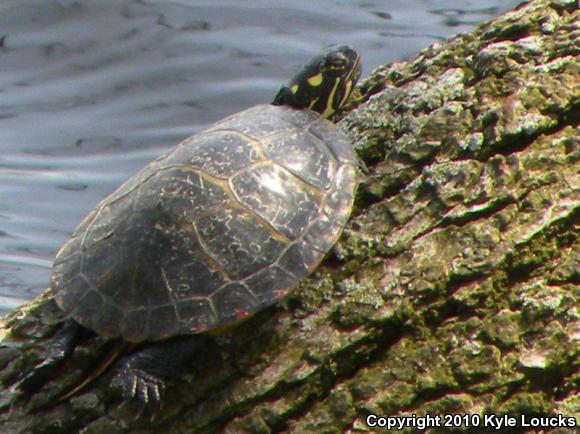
point(221, 226)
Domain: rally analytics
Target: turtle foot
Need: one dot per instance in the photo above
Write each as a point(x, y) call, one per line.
point(33, 380)
point(141, 375)
point(135, 383)
point(64, 343)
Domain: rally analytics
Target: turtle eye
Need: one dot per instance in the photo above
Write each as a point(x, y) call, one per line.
point(335, 63)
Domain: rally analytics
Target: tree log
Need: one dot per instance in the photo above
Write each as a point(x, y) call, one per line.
point(454, 289)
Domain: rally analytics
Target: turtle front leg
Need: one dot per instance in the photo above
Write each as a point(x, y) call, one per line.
point(64, 343)
point(142, 374)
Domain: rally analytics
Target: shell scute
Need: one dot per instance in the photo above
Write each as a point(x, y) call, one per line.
point(238, 242)
point(278, 197)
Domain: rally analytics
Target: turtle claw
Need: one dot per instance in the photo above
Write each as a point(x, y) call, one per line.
point(141, 375)
point(137, 384)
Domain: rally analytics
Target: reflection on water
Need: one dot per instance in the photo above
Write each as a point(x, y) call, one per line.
point(91, 91)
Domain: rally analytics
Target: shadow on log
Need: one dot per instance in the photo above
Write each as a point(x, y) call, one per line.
point(454, 289)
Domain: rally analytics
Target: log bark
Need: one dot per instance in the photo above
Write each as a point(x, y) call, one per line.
point(454, 289)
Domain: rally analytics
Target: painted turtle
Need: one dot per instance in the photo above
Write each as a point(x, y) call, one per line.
point(219, 227)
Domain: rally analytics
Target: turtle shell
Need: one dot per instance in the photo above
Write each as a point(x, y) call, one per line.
point(224, 224)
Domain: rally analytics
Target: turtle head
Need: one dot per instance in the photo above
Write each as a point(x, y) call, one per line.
point(325, 83)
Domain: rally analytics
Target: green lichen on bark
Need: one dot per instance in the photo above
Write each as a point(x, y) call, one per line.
point(453, 290)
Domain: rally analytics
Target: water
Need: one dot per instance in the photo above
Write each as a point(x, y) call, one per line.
point(91, 91)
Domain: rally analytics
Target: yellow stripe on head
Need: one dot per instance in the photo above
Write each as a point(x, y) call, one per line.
point(347, 91)
point(294, 88)
point(330, 109)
